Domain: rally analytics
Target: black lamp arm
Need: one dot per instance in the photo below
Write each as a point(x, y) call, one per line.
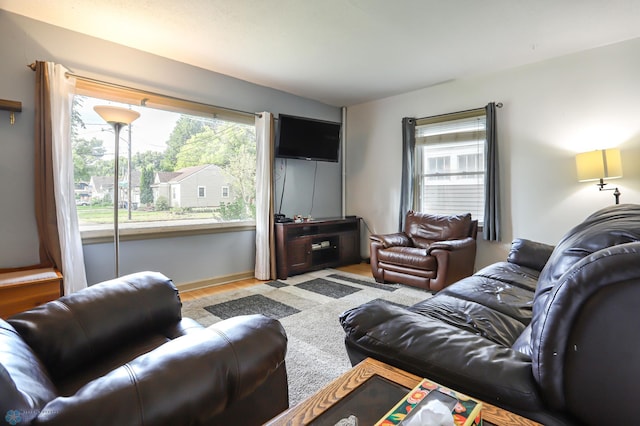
point(616, 192)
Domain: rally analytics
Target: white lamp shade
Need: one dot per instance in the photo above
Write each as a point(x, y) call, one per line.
point(599, 164)
point(113, 114)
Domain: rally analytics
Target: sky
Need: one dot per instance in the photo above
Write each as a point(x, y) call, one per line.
point(150, 132)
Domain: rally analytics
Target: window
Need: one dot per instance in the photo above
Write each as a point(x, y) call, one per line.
point(225, 192)
point(449, 173)
point(167, 157)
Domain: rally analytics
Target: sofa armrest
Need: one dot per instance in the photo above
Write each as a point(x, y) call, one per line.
point(185, 381)
point(530, 254)
point(456, 260)
point(390, 240)
point(451, 245)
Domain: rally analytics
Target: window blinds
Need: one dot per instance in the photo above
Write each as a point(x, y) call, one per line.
point(450, 163)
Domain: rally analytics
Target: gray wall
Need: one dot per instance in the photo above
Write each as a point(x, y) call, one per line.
point(185, 259)
point(299, 196)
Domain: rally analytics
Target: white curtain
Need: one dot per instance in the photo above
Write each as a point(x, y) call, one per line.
point(61, 95)
point(265, 245)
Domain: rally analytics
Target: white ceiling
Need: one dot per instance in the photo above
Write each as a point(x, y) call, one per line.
point(344, 52)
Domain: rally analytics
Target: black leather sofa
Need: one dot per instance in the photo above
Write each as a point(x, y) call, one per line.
point(120, 353)
point(552, 334)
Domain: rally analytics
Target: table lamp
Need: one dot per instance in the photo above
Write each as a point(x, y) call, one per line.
point(600, 165)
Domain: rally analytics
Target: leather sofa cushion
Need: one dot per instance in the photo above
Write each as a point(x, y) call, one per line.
point(424, 229)
point(70, 333)
point(415, 258)
point(530, 254)
point(472, 317)
point(508, 272)
point(499, 296)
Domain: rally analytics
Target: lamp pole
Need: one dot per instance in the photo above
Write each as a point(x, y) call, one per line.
point(129, 178)
point(116, 197)
point(117, 117)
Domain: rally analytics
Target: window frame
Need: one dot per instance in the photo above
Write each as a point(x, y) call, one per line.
point(419, 174)
point(90, 87)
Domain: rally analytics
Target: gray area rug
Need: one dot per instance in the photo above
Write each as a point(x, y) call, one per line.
point(254, 304)
point(308, 307)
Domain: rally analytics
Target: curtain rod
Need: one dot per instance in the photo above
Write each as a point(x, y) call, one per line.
point(498, 105)
point(120, 86)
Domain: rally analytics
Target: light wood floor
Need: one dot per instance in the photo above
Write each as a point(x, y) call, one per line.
point(361, 269)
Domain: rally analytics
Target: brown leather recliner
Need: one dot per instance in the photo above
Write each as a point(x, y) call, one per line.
point(120, 353)
point(432, 252)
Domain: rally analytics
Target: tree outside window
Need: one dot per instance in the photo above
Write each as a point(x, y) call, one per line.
point(172, 156)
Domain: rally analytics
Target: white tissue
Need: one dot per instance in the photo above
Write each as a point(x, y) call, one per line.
point(349, 421)
point(433, 413)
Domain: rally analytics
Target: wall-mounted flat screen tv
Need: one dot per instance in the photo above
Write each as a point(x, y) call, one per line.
point(307, 139)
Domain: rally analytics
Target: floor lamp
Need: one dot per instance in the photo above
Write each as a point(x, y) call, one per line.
point(118, 118)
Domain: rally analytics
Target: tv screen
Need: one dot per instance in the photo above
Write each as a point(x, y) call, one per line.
point(307, 139)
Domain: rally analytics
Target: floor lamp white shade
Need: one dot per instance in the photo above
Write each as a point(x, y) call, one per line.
point(118, 117)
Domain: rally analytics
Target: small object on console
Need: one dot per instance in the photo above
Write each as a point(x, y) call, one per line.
point(280, 218)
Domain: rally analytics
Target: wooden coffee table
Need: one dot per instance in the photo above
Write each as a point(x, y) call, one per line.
point(354, 392)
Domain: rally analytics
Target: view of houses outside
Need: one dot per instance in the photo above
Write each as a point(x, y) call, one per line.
point(172, 166)
point(450, 166)
point(452, 179)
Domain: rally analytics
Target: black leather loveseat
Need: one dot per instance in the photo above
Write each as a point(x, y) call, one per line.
point(120, 353)
point(553, 333)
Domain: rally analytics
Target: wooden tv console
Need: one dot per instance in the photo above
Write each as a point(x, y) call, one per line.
point(316, 244)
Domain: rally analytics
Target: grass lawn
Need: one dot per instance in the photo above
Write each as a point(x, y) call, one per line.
point(94, 215)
